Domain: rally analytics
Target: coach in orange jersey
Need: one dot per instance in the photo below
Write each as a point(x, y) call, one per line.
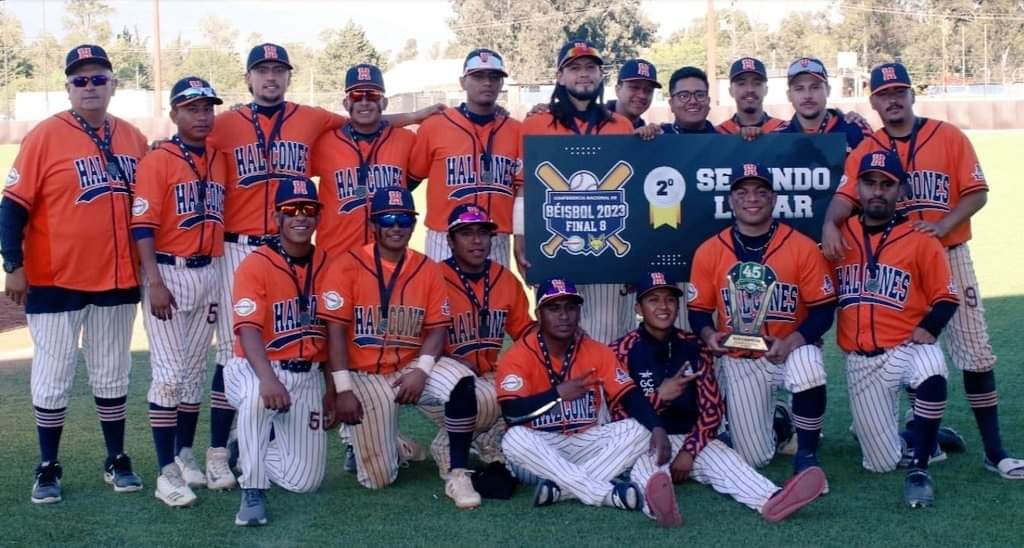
point(69, 259)
point(470, 155)
point(947, 188)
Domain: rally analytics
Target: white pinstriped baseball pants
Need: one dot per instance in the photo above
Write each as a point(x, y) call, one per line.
point(749, 387)
point(178, 347)
point(606, 314)
point(875, 384)
point(966, 335)
point(296, 459)
point(106, 335)
point(438, 249)
point(489, 425)
point(226, 267)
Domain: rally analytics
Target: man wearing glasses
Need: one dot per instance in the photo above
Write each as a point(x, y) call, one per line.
point(69, 259)
point(689, 102)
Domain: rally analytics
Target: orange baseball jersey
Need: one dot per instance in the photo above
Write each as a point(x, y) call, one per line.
point(418, 303)
point(545, 124)
point(913, 275)
point(266, 296)
point(802, 279)
point(78, 225)
point(336, 158)
point(508, 312)
point(166, 198)
point(942, 167)
point(768, 124)
point(249, 204)
point(521, 373)
point(450, 152)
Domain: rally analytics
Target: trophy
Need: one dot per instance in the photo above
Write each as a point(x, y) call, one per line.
point(750, 293)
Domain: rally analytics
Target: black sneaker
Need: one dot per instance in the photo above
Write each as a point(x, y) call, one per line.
point(46, 489)
point(118, 473)
point(918, 489)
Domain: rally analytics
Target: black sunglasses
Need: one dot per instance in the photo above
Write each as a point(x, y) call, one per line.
point(97, 80)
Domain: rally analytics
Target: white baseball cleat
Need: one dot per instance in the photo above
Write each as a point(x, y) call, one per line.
point(190, 471)
point(171, 488)
point(459, 488)
point(218, 472)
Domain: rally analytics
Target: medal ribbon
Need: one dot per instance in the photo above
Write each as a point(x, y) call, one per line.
point(385, 291)
point(483, 310)
point(743, 253)
point(104, 146)
point(556, 378)
point(304, 292)
point(264, 145)
point(873, 255)
point(202, 178)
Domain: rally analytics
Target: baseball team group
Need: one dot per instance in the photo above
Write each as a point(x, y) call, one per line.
point(325, 320)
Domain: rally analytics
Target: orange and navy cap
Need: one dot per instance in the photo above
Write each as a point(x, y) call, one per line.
point(469, 214)
point(750, 171)
point(557, 288)
point(807, 65)
point(889, 75)
point(483, 59)
point(744, 65)
point(639, 69)
point(392, 199)
point(884, 162)
point(267, 53)
point(574, 49)
point(84, 54)
point(364, 76)
point(295, 190)
point(193, 88)
point(655, 280)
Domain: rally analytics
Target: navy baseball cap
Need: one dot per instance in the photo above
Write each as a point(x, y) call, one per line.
point(469, 214)
point(639, 69)
point(557, 288)
point(85, 54)
point(574, 49)
point(889, 75)
point(884, 162)
point(193, 88)
point(265, 53)
point(744, 65)
point(656, 280)
point(807, 65)
point(295, 190)
point(392, 199)
point(364, 76)
point(750, 172)
point(483, 59)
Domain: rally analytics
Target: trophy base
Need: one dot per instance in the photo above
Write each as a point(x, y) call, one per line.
point(746, 342)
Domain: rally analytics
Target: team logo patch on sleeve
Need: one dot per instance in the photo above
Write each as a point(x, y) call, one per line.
point(691, 293)
point(446, 308)
point(511, 383)
point(952, 286)
point(977, 173)
point(12, 177)
point(332, 300)
point(245, 307)
point(827, 287)
point(139, 206)
point(621, 376)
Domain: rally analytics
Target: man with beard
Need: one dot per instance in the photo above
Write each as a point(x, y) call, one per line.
point(748, 85)
point(808, 93)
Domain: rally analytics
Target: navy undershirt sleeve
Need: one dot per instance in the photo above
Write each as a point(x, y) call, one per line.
point(13, 219)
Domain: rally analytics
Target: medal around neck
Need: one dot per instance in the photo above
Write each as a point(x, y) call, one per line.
point(750, 289)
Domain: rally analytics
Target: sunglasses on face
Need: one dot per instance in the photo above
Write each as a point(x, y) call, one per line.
point(388, 220)
point(307, 210)
point(97, 80)
point(364, 95)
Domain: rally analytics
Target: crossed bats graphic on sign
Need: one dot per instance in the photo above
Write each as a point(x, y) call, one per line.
point(613, 180)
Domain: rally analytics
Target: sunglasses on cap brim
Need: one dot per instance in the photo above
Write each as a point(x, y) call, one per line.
point(191, 94)
point(401, 220)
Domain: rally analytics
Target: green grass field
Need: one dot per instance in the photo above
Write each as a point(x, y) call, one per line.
point(974, 507)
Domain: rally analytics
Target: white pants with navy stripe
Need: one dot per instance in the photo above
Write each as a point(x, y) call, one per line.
point(749, 387)
point(375, 439)
point(875, 384)
point(716, 465)
point(106, 335)
point(606, 314)
point(967, 333)
point(438, 249)
point(178, 347)
point(489, 425)
point(296, 459)
point(226, 267)
point(582, 464)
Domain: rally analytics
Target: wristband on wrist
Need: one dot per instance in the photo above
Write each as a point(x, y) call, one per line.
point(425, 363)
point(519, 216)
point(342, 381)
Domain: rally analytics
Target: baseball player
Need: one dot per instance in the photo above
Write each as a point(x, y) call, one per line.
point(576, 109)
point(470, 154)
point(552, 384)
point(689, 102)
point(281, 295)
point(392, 324)
point(177, 224)
point(808, 93)
point(676, 373)
point(748, 85)
point(487, 302)
point(947, 187)
point(800, 310)
point(634, 91)
point(68, 258)
point(355, 160)
point(896, 294)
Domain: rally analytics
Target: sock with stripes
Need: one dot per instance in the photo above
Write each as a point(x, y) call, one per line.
point(164, 422)
point(980, 388)
point(188, 418)
point(929, 407)
point(112, 412)
point(459, 421)
point(221, 412)
point(808, 416)
point(49, 426)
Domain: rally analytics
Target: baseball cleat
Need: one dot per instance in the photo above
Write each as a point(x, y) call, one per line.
point(253, 510)
point(233, 454)
point(459, 488)
point(798, 492)
point(118, 473)
point(782, 427)
point(410, 450)
point(439, 450)
point(218, 473)
point(189, 468)
point(172, 489)
point(918, 490)
point(951, 441)
point(46, 488)
point(350, 459)
point(803, 462)
point(660, 496)
point(546, 493)
point(626, 496)
point(907, 460)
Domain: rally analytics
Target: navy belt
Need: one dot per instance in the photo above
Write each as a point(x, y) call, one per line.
point(245, 239)
point(295, 366)
point(870, 354)
point(195, 261)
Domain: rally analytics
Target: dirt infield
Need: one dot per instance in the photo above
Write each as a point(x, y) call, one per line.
point(12, 316)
